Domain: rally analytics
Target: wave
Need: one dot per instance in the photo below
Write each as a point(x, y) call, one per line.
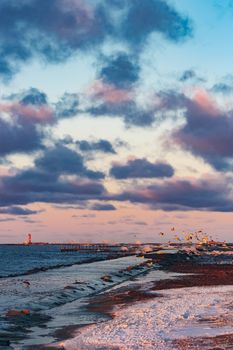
point(78, 289)
point(56, 266)
point(70, 290)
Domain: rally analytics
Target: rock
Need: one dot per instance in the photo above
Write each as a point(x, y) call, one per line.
point(12, 313)
point(129, 268)
point(25, 312)
point(69, 287)
point(106, 278)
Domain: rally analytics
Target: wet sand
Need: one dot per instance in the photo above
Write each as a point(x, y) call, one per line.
point(221, 342)
point(193, 275)
point(197, 275)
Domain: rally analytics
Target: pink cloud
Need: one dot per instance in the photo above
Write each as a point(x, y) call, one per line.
point(38, 114)
point(205, 102)
point(108, 93)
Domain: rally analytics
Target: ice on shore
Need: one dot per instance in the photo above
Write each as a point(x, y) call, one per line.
point(154, 324)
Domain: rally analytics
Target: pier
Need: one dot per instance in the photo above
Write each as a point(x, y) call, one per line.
point(75, 247)
point(100, 247)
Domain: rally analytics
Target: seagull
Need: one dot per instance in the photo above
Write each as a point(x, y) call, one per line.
point(26, 283)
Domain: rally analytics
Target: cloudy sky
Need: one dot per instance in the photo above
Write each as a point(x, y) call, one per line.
point(116, 119)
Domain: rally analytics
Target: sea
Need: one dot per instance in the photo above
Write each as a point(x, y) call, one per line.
point(54, 287)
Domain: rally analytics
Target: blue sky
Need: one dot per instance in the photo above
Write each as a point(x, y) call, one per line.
point(116, 119)
point(209, 52)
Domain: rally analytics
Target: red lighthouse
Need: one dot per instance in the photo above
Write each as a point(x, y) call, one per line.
point(29, 238)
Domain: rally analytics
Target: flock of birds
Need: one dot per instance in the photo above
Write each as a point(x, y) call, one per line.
point(197, 237)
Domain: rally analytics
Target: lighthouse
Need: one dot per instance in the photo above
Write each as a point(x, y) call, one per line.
point(29, 239)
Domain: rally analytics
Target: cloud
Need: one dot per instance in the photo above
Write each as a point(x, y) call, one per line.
point(67, 140)
point(143, 18)
point(102, 207)
point(59, 175)
point(31, 186)
point(129, 111)
point(19, 138)
point(41, 184)
point(208, 128)
point(63, 160)
point(55, 30)
point(67, 106)
point(141, 223)
point(224, 88)
point(208, 131)
point(30, 221)
point(141, 168)
point(14, 210)
point(85, 216)
point(113, 94)
point(120, 70)
point(34, 97)
point(101, 145)
point(113, 101)
point(30, 114)
point(6, 220)
point(60, 159)
point(210, 194)
point(187, 75)
point(22, 118)
point(109, 93)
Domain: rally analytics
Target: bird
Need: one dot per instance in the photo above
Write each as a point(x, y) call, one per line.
point(26, 283)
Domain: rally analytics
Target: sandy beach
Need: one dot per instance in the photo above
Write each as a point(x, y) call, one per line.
point(177, 300)
point(191, 311)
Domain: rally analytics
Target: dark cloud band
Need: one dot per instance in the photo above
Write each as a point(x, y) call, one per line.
point(141, 168)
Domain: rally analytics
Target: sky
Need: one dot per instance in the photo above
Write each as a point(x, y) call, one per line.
point(116, 119)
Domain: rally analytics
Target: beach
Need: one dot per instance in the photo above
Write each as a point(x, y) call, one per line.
point(177, 320)
point(177, 300)
point(189, 307)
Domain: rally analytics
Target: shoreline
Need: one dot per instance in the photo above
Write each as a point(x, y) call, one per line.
point(193, 275)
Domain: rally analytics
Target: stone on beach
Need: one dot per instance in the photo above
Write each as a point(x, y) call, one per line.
point(106, 278)
point(12, 312)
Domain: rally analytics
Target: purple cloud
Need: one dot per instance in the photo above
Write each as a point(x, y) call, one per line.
point(102, 207)
point(121, 70)
point(141, 168)
point(100, 146)
point(208, 129)
point(204, 194)
point(14, 210)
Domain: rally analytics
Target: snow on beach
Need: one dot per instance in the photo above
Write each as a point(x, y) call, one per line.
point(156, 324)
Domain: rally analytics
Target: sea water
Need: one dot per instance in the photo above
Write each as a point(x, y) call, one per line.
point(53, 286)
point(17, 260)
